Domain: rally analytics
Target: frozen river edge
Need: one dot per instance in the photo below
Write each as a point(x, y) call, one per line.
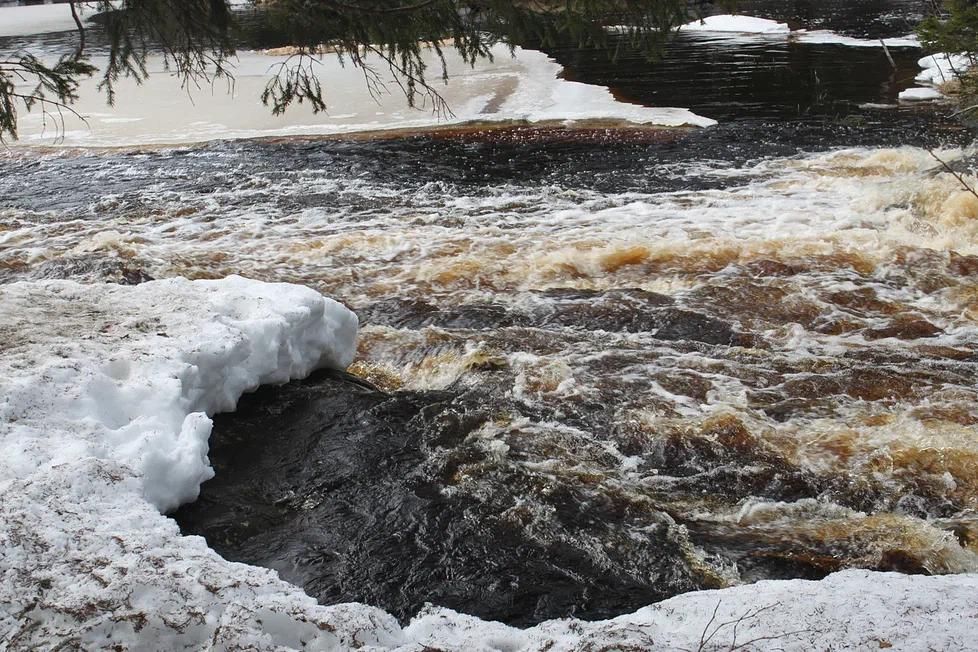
point(107, 393)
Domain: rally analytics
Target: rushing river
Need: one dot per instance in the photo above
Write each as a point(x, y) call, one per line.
point(602, 366)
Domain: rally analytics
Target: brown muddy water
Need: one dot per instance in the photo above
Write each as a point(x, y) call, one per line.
point(596, 368)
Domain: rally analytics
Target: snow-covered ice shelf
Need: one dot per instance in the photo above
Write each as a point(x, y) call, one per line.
point(522, 86)
point(750, 26)
point(740, 24)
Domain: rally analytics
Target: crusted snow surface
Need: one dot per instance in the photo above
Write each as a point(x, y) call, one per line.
point(851, 610)
point(106, 394)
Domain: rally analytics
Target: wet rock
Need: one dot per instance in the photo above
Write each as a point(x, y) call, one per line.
point(634, 311)
point(868, 384)
point(724, 457)
point(767, 267)
point(961, 265)
point(685, 384)
point(837, 326)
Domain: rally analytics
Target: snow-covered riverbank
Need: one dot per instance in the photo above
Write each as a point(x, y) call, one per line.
point(107, 392)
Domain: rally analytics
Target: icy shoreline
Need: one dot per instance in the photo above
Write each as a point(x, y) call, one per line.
point(521, 87)
point(106, 395)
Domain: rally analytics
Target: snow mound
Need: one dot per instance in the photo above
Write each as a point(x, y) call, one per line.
point(920, 94)
point(105, 397)
point(739, 24)
point(938, 69)
point(132, 374)
point(849, 610)
point(942, 67)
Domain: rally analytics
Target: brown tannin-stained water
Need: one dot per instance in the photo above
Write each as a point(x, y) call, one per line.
point(602, 367)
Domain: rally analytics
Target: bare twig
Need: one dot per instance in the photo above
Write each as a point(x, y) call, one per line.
point(81, 30)
point(703, 639)
point(953, 173)
point(707, 635)
point(889, 56)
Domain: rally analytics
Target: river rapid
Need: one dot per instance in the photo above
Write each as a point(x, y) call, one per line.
point(597, 367)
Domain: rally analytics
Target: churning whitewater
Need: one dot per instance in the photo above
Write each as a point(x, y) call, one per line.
point(580, 383)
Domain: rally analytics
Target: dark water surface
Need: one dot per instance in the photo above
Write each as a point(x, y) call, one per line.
point(732, 77)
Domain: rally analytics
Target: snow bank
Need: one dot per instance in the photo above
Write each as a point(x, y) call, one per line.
point(131, 374)
point(736, 29)
point(826, 37)
point(106, 392)
point(849, 610)
point(43, 19)
point(740, 24)
point(942, 67)
point(938, 69)
point(920, 94)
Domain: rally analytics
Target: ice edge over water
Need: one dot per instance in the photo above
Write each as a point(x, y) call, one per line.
point(523, 86)
point(938, 69)
point(106, 391)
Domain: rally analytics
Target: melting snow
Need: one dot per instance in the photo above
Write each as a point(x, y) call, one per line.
point(742, 24)
point(938, 69)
